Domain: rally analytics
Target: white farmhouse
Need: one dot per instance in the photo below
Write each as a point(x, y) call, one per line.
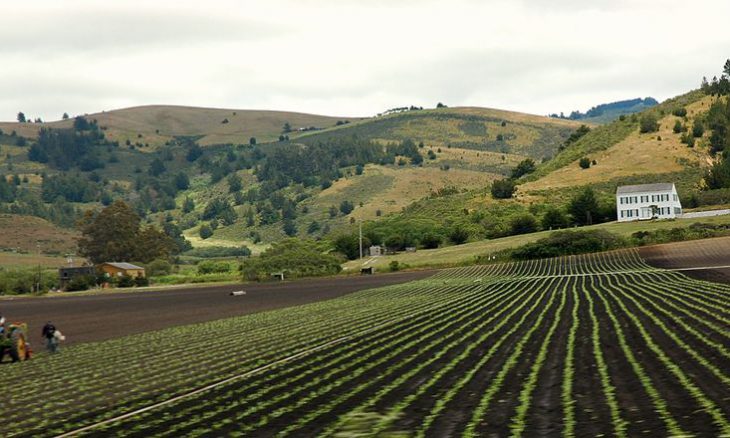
point(647, 201)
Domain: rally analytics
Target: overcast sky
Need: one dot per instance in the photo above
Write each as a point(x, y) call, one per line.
point(351, 57)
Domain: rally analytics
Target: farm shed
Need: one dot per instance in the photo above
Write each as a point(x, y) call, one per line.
point(647, 201)
point(120, 269)
point(67, 273)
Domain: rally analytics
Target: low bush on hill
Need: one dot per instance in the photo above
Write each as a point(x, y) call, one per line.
point(219, 251)
point(562, 243)
point(295, 258)
point(678, 234)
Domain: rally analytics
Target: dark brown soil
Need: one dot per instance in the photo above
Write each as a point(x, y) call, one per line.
point(89, 318)
point(706, 253)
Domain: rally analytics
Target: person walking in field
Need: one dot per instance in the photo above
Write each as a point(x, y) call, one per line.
point(52, 335)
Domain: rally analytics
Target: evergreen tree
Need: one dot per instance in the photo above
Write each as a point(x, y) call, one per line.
point(21, 117)
point(289, 227)
point(182, 182)
point(188, 205)
point(234, 183)
point(346, 207)
point(584, 208)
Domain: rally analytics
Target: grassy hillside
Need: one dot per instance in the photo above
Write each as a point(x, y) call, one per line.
point(153, 125)
point(482, 129)
point(25, 236)
point(624, 155)
point(423, 170)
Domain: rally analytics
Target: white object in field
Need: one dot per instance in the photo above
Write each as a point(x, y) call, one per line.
point(59, 336)
point(238, 293)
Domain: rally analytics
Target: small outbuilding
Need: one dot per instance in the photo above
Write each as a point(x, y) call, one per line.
point(121, 269)
point(68, 273)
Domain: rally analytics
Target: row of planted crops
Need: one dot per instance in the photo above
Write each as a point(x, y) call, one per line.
point(582, 345)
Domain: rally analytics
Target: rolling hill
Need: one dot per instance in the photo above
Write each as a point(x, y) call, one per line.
point(153, 125)
point(464, 148)
point(408, 174)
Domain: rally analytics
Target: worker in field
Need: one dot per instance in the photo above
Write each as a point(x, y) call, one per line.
point(49, 333)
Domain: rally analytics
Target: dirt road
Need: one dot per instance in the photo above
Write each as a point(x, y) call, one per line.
point(87, 318)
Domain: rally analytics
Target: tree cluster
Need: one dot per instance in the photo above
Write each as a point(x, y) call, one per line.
point(115, 234)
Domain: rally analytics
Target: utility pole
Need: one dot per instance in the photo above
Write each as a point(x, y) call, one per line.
point(360, 236)
point(38, 286)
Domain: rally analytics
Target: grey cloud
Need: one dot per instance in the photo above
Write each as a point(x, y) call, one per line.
point(107, 31)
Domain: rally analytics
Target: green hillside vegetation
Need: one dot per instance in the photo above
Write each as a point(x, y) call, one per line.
point(608, 112)
point(415, 178)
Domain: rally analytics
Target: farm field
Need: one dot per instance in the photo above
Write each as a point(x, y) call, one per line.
point(599, 344)
point(694, 254)
point(135, 311)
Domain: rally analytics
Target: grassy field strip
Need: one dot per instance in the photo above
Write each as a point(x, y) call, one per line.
point(465, 308)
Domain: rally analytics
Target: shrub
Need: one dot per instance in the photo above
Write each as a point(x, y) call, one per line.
point(569, 242)
point(294, 257)
point(554, 218)
point(219, 251)
point(677, 127)
point(430, 240)
point(125, 281)
point(523, 224)
point(503, 188)
point(349, 245)
point(584, 163)
point(205, 231)
point(679, 112)
point(210, 267)
point(80, 282)
point(346, 207)
point(158, 267)
point(523, 168)
point(698, 129)
point(458, 235)
point(394, 266)
point(648, 123)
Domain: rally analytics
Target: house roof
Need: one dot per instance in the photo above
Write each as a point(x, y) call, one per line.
point(641, 188)
point(122, 265)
